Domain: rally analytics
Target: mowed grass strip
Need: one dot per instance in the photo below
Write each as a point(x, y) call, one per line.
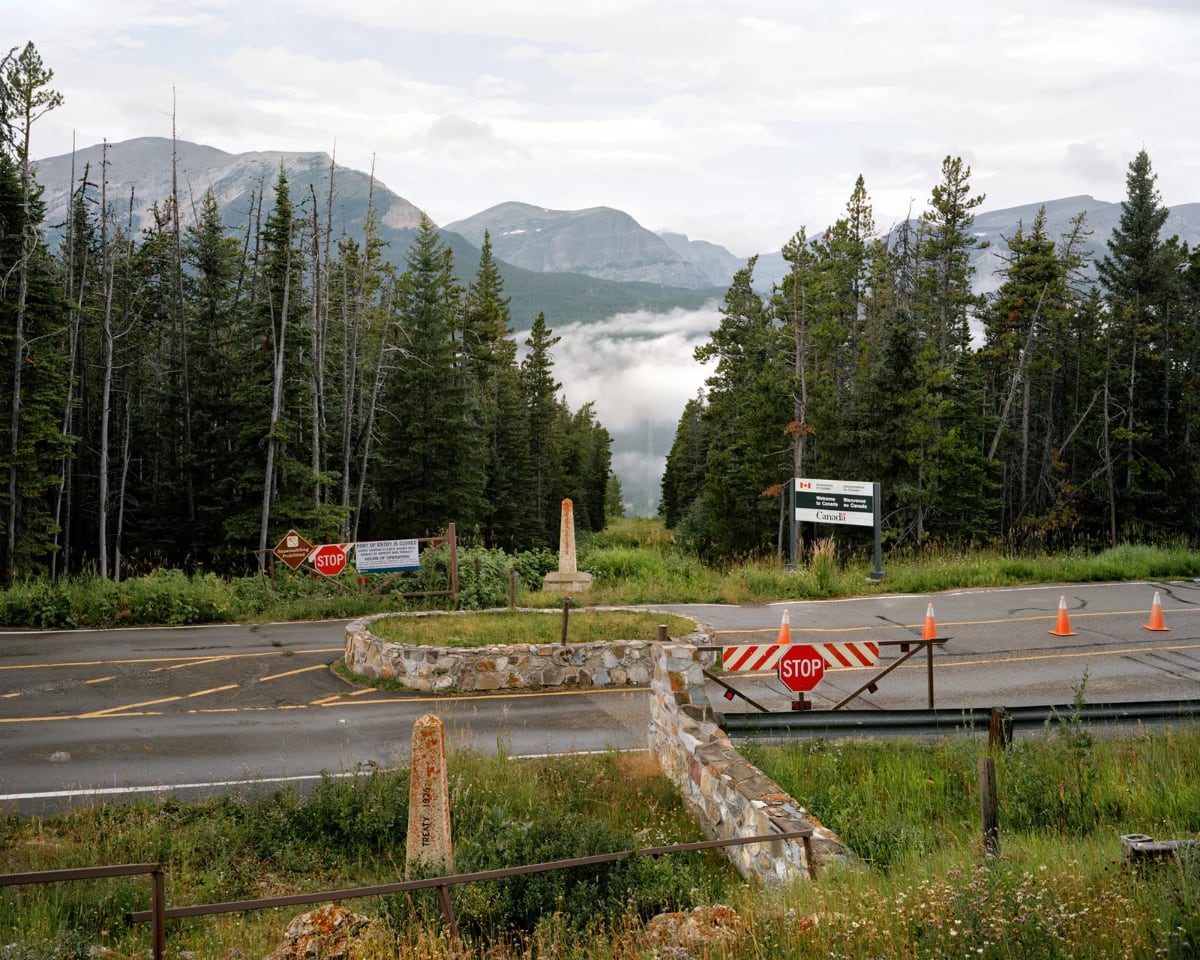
point(458, 631)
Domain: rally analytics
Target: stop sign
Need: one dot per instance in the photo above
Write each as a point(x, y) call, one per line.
point(801, 668)
point(329, 559)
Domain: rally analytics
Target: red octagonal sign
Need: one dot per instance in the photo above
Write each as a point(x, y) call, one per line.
point(329, 559)
point(801, 668)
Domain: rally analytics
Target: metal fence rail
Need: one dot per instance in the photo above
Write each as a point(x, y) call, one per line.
point(158, 897)
point(946, 720)
point(442, 884)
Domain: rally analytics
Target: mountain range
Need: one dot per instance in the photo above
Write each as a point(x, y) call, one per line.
point(546, 254)
point(597, 274)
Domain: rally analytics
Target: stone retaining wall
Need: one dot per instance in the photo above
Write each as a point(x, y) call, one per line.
point(731, 797)
point(509, 667)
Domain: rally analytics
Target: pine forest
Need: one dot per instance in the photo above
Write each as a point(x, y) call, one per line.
point(1057, 412)
point(183, 396)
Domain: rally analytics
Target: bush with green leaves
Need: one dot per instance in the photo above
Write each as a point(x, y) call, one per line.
point(36, 603)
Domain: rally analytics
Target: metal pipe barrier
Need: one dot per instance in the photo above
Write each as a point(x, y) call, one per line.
point(156, 913)
point(444, 883)
point(946, 720)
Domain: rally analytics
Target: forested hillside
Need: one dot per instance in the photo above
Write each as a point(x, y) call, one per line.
point(1073, 420)
point(183, 395)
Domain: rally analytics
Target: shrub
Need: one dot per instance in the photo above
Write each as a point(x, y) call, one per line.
point(36, 603)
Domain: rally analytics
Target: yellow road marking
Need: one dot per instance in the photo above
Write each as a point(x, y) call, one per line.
point(9, 696)
point(185, 660)
point(292, 673)
point(194, 662)
point(342, 696)
point(472, 697)
point(83, 716)
point(99, 680)
point(953, 623)
point(200, 693)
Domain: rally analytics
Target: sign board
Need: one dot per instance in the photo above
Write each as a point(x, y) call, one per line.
point(386, 556)
point(801, 667)
point(293, 549)
point(330, 559)
point(835, 501)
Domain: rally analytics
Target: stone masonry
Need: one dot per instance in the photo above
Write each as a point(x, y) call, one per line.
point(508, 667)
point(729, 796)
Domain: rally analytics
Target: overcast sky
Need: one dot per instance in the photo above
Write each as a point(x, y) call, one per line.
point(733, 122)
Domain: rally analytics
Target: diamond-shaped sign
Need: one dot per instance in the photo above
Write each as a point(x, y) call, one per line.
point(293, 549)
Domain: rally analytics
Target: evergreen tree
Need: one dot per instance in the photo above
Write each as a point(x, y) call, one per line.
point(683, 474)
point(31, 327)
point(542, 406)
point(749, 407)
point(1142, 277)
point(494, 381)
point(428, 435)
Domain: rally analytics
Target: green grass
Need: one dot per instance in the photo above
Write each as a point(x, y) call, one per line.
point(510, 627)
point(1058, 889)
point(351, 832)
point(633, 562)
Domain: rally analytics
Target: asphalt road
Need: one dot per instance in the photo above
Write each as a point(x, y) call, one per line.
point(87, 715)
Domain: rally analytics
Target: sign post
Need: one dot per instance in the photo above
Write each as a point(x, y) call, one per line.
point(852, 502)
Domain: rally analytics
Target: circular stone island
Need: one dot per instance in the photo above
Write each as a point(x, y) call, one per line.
point(440, 662)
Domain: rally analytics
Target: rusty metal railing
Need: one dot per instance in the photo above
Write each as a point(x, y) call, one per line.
point(443, 884)
point(158, 895)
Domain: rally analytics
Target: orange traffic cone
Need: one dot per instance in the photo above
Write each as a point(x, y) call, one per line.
point(785, 629)
point(930, 631)
point(1063, 627)
point(1156, 620)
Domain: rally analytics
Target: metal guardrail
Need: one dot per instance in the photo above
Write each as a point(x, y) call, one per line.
point(946, 720)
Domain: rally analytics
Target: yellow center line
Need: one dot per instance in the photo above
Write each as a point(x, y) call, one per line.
point(99, 680)
point(115, 711)
point(186, 661)
point(194, 662)
point(1119, 652)
point(292, 673)
point(79, 717)
point(9, 696)
point(201, 693)
point(342, 696)
point(127, 706)
point(285, 706)
point(954, 623)
point(470, 698)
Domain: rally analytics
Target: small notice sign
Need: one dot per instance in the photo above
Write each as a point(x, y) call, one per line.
point(293, 549)
point(386, 556)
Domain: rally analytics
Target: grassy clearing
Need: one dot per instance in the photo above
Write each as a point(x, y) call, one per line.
point(1058, 889)
point(633, 562)
point(351, 832)
point(485, 629)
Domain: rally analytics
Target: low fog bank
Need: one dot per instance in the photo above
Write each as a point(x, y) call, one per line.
point(638, 371)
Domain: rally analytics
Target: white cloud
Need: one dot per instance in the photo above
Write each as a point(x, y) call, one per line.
point(733, 125)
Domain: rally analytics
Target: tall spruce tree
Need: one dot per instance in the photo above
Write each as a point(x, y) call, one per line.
point(428, 436)
point(32, 329)
point(1142, 274)
point(749, 408)
point(545, 430)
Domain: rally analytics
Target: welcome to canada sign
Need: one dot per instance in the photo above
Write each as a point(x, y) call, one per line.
point(835, 501)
